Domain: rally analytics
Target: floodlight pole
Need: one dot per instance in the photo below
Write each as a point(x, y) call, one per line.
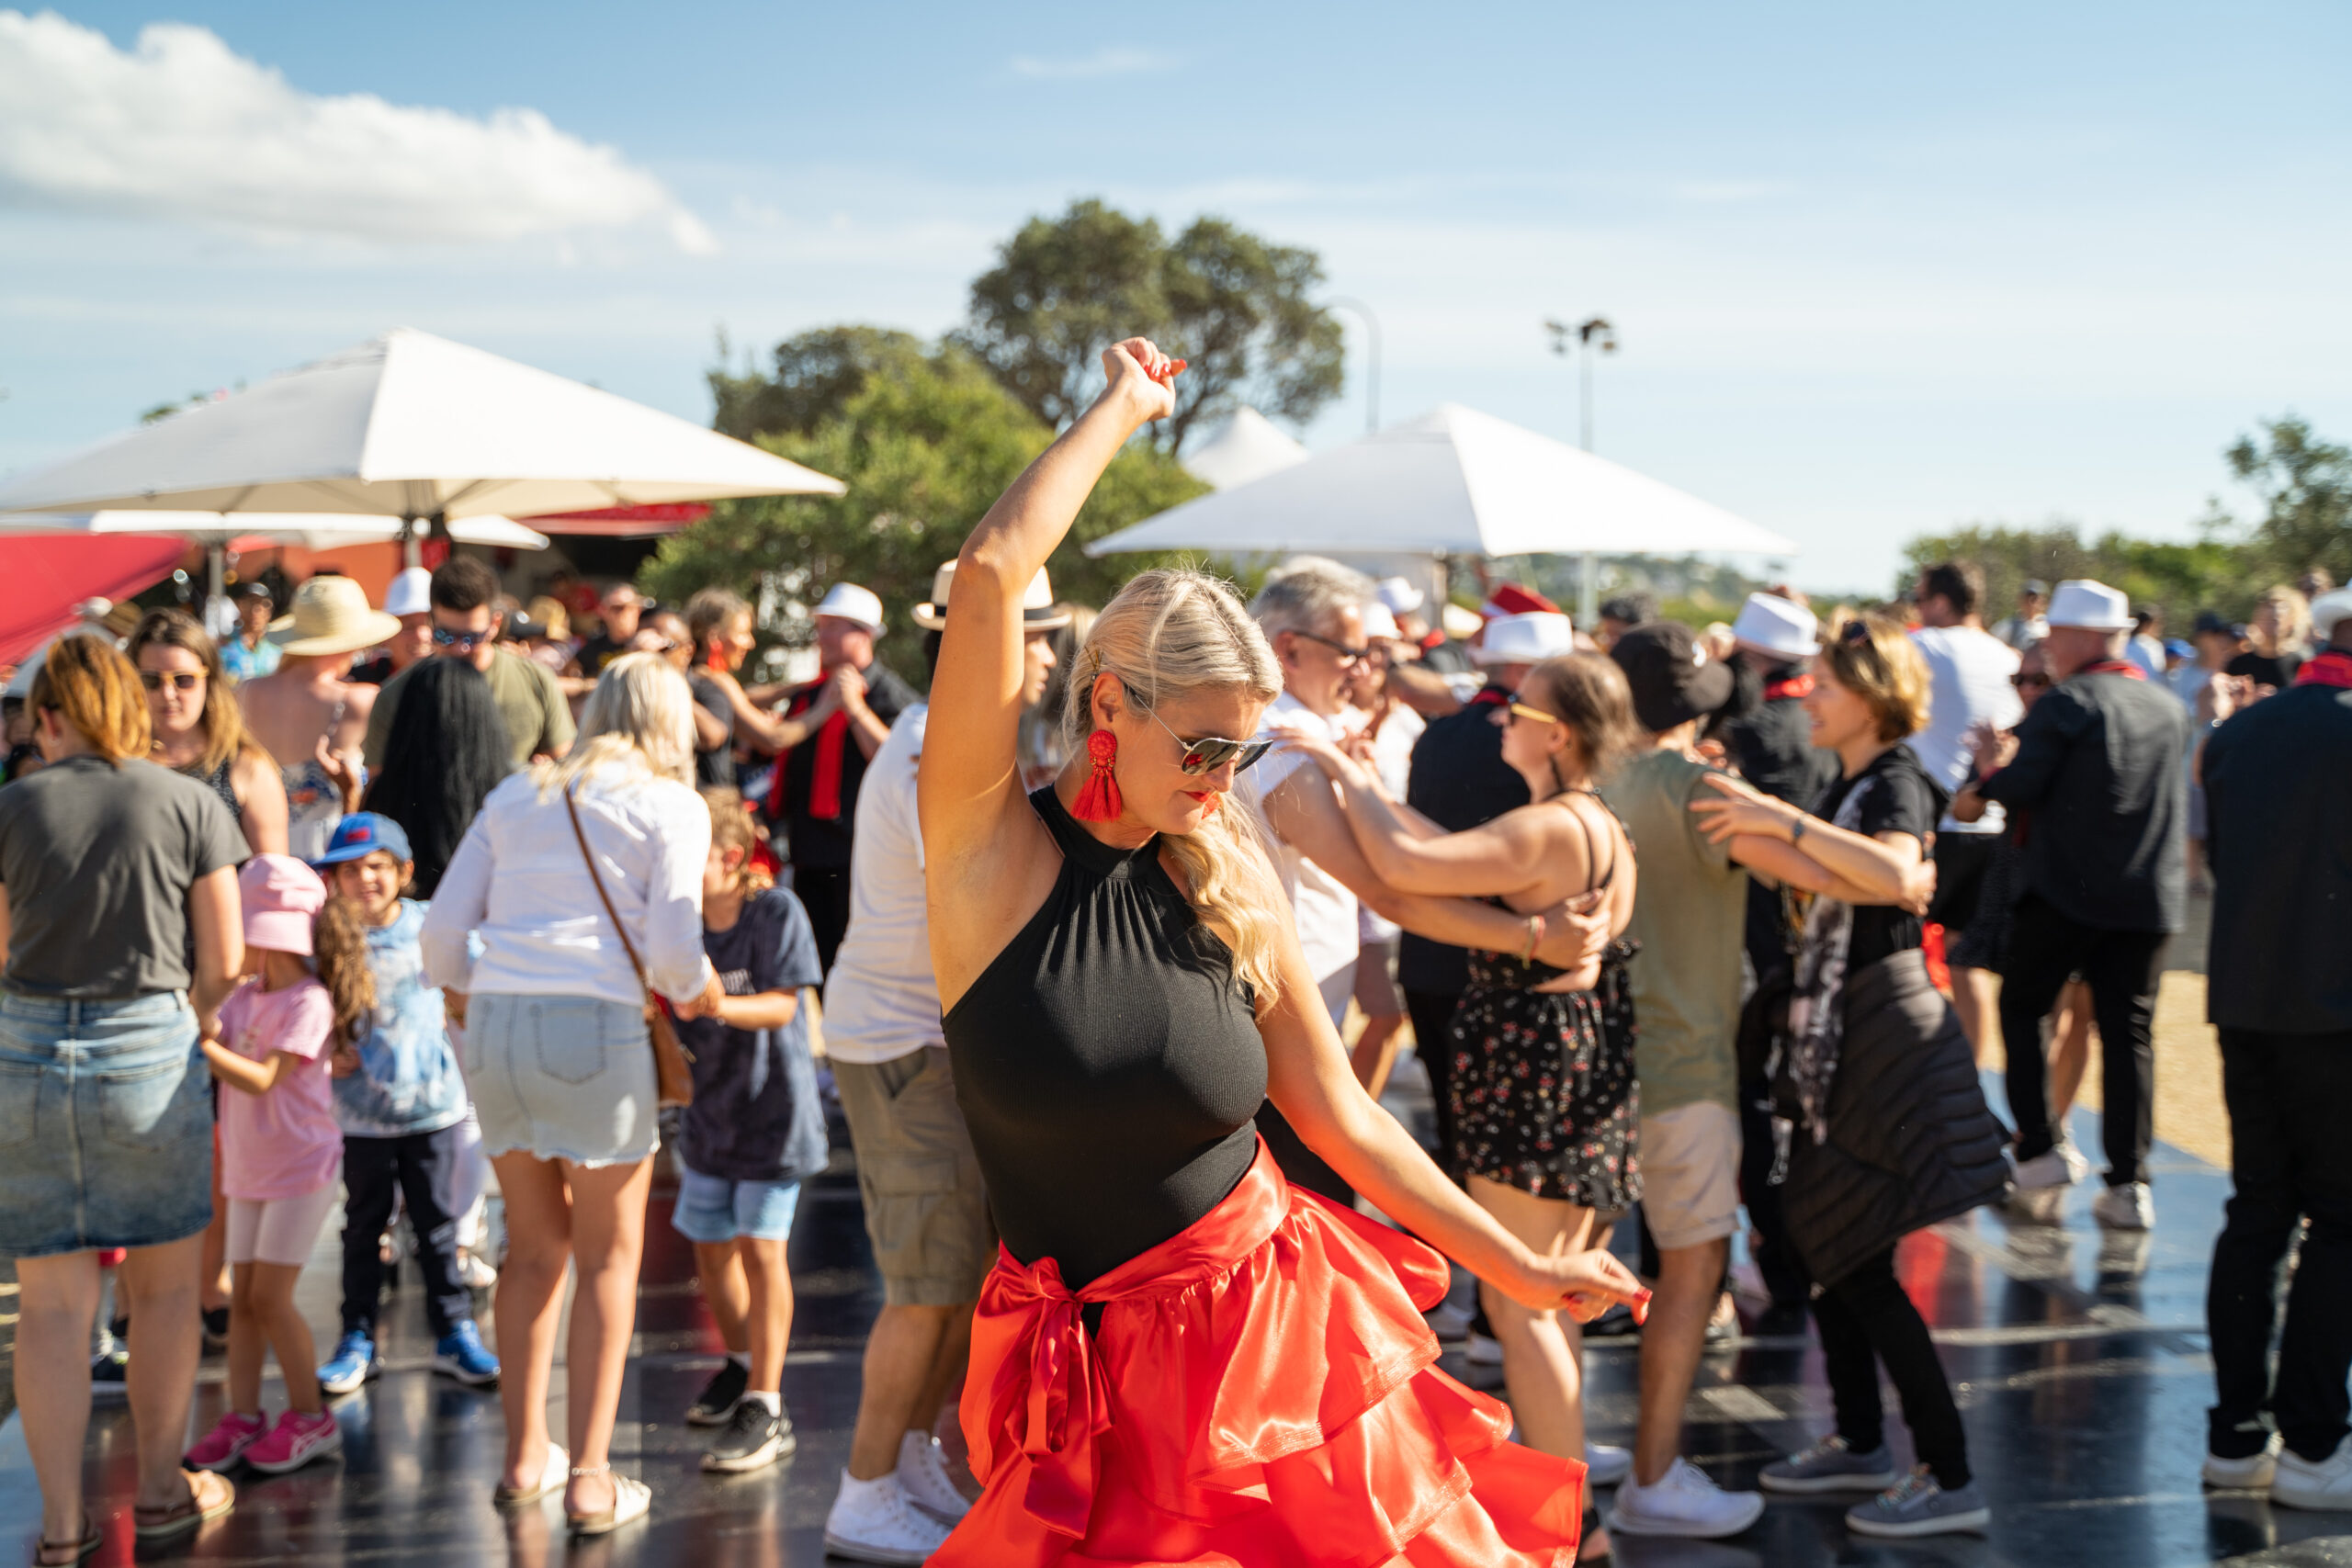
point(1371, 343)
point(1594, 335)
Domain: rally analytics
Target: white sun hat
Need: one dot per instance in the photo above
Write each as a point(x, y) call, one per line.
point(1770, 624)
point(1379, 623)
point(1038, 611)
point(2090, 604)
point(1528, 639)
point(411, 593)
point(1399, 595)
point(851, 603)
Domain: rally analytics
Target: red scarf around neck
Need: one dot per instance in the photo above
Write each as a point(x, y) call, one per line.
point(2123, 667)
point(825, 771)
point(1787, 688)
point(2333, 667)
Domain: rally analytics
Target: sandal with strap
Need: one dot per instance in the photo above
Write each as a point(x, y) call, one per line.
point(209, 1497)
point(632, 1499)
point(551, 1473)
point(65, 1553)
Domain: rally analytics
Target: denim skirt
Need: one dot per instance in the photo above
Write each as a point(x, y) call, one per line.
point(562, 1078)
point(106, 1124)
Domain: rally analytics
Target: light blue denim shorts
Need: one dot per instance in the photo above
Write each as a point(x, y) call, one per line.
point(714, 1209)
point(562, 1078)
point(106, 1124)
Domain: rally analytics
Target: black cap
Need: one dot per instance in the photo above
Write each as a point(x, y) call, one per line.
point(2034, 586)
point(2211, 621)
point(1672, 679)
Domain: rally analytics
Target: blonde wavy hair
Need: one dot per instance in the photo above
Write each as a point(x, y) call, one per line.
point(1168, 634)
point(639, 715)
point(1873, 658)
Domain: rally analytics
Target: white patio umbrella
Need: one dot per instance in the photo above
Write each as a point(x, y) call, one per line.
point(1452, 482)
point(1245, 447)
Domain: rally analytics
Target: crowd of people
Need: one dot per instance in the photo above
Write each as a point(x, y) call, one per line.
point(1701, 932)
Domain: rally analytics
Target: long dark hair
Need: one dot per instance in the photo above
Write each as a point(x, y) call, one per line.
point(445, 752)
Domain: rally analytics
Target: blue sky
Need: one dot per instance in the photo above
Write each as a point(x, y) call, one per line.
point(1877, 269)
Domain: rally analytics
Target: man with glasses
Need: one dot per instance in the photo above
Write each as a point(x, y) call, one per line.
point(621, 608)
point(465, 623)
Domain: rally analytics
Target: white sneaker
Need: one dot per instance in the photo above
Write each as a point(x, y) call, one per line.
point(2041, 1184)
point(2131, 1207)
point(1605, 1464)
point(872, 1521)
point(2249, 1474)
point(2315, 1484)
point(473, 1273)
point(1685, 1502)
point(922, 1473)
point(1484, 1349)
point(1449, 1322)
point(2077, 1163)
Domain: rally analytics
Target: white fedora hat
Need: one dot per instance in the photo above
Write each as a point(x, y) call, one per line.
point(2330, 608)
point(851, 603)
point(1378, 622)
point(411, 593)
point(331, 616)
point(2091, 605)
point(1528, 639)
point(1770, 624)
point(1399, 595)
point(1038, 613)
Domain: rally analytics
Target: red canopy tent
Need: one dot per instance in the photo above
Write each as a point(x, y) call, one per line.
point(623, 521)
point(47, 574)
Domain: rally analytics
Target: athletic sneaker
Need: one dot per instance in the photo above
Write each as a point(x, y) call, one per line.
point(109, 1376)
point(216, 1328)
point(473, 1273)
point(1683, 1502)
point(2251, 1472)
point(295, 1442)
point(223, 1445)
point(2041, 1187)
point(1915, 1506)
point(1605, 1464)
point(352, 1364)
point(753, 1440)
point(1484, 1349)
point(2078, 1165)
point(922, 1475)
point(460, 1354)
point(1829, 1466)
point(2131, 1207)
point(2315, 1484)
point(716, 1402)
point(872, 1521)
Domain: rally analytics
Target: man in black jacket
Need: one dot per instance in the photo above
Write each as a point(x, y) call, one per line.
point(2098, 767)
point(2277, 779)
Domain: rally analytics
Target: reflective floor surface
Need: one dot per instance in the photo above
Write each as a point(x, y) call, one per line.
point(2080, 1359)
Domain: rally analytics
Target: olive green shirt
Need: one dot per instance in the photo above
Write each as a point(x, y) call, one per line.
point(1691, 920)
point(530, 703)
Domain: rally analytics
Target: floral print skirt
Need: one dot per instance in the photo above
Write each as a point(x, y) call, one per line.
point(1543, 1093)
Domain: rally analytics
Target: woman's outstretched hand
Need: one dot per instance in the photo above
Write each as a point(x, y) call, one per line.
point(1741, 809)
point(1143, 378)
point(1582, 1285)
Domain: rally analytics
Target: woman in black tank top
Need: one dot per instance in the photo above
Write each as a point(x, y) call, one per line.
point(1178, 1356)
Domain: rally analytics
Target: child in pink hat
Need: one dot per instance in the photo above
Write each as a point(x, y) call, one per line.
point(281, 1148)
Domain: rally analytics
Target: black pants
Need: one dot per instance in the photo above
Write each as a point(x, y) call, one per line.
point(1776, 1257)
point(423, 1166)
point(1867, 1321)
point(823, 891)
point(2123, 968)
point(2290, 1158)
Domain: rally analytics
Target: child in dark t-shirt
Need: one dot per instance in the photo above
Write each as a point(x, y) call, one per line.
point(753, 1133)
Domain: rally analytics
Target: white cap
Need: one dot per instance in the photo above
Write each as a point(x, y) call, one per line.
point(2330, 608)
point(1379, 623)
point(1458, 622)
point(411, 593)
point(1399, 595)
point(852, 603)
point(1037, 612)
point(2091, 605)
point(1773, 624)
point(1528, 639)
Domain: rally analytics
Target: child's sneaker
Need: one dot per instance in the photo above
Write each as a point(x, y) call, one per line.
point(223, 1445)
point(352, 1364)
point(460, 1354)
point(716, 1402)
point(295, 1442)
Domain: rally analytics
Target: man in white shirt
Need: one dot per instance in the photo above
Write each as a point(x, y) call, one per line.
point(2031, 623)
point(1973, 688)
point(926, 1210)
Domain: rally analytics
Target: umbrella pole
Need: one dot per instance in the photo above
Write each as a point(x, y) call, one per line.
point(1588, 595)
point(216, 577)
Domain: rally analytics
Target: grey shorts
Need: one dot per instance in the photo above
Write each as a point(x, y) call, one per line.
point(562, 1078)
point(926, 1209)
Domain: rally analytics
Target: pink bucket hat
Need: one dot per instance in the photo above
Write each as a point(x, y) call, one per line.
point(280, 896)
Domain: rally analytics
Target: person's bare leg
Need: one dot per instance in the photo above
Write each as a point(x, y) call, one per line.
point(902, 1356)
point(56, 1298)
point(607, 1245)
point(724, 1292)
point(248, 1342)
point(946, 1370)
point(2070, 1050)
point(527, 1303)
point(1976, 997)
point(763, 1270)
point(1374, 1052)
point(213, 1284)
point(1689, 1278)
point(166, 1344)
point(272, 1297)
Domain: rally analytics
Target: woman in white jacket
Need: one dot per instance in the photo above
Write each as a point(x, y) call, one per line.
point(556, 1053)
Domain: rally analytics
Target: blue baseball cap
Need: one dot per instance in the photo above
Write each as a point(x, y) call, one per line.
point(360, 835)
point(2181, 648)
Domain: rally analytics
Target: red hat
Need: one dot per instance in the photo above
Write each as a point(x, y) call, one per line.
point(1510, 599)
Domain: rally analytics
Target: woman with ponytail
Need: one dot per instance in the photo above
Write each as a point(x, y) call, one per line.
point(1179, 1357)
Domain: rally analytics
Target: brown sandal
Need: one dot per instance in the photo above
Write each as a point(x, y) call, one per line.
point(92, 1538)
point(209, 1497)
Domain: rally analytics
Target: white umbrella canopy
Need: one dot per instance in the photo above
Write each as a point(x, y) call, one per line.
point(410, 425)
point(311, 530)
point(1245, 447)
point(1453, 481)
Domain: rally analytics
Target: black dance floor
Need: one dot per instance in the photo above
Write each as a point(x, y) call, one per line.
point(2079, 1361)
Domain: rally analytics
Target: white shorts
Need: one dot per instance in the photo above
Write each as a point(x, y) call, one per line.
point(1690, 1160)
point(277, 1230)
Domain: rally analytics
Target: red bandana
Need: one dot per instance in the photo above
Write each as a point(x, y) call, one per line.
point(1789, 688)
point(2333, 667)
point(825, 773)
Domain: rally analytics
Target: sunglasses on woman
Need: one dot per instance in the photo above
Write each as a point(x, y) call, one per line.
point(1211, 752)
point(1519, 710)
point(181, 680)
point(2022, 681)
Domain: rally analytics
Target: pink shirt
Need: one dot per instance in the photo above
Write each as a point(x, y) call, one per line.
point(286, 1143)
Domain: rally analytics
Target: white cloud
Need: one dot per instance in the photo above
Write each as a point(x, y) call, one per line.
point(181, 127)
point(1109, 60)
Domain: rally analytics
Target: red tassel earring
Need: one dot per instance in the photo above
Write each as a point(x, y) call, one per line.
point(1098, 799)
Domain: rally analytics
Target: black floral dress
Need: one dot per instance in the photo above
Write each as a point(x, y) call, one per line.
point(1545, 1097)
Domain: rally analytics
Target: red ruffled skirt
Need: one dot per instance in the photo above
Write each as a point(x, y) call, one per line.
point(1262, 1392)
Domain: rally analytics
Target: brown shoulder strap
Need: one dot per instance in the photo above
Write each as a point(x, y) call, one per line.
point(614, 915)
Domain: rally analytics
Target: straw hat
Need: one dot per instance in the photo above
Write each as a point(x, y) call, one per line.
point(331, 616)
point(1038, 611)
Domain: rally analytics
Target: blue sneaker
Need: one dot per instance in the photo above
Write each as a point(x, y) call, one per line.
point(460, 1353)
point(352, 1364)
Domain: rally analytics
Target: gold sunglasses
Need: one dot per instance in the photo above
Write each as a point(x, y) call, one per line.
point(1519, 710)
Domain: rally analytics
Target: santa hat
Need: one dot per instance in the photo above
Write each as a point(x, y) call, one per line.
point(1510, 599)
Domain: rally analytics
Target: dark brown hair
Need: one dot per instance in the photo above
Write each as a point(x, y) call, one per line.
point(1587, 690)
point(339, 948)
point(223, 718)
point(94, 688)
point(1959, 582)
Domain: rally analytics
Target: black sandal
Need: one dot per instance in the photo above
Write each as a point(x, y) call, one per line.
point(1590, 1528)
point(92, 1538)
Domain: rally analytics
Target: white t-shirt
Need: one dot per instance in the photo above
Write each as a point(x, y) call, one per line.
point(1970, 670)
point(882, 1001)
point(1324, 910)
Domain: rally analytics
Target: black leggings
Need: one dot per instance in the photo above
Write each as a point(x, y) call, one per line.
point(1865, 1320)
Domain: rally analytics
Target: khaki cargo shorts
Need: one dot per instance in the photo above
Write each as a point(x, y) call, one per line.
point(1690, 1174)
point(926, 1210)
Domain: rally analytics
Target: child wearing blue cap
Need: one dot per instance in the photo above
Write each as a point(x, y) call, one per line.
point(402, 1104)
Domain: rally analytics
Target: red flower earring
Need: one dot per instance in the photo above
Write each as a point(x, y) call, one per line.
point(1098, 799)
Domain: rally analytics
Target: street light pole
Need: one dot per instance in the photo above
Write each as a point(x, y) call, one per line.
point(1372, 344)
point(1593, 335)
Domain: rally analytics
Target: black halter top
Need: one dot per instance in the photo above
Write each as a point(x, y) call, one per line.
point(1107, 1063)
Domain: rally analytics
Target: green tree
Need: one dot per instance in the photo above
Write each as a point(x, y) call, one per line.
point(1234, 306)
point(817, 373)
point(2178, 578)
point(2305, 485)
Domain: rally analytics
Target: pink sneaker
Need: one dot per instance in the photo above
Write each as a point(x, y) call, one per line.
point(294, 1442)
point(226, 1443)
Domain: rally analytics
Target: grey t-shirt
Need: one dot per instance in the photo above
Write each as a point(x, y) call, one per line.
point(98, 860)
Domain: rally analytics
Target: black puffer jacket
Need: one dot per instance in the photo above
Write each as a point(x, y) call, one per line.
point(1911, 1140)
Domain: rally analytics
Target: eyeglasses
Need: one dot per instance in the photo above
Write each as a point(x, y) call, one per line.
point(1347, 655)
point(181, 680)
point(464, 642)
point(1211, 752)
point(1854, 632)
point(1519, 710)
